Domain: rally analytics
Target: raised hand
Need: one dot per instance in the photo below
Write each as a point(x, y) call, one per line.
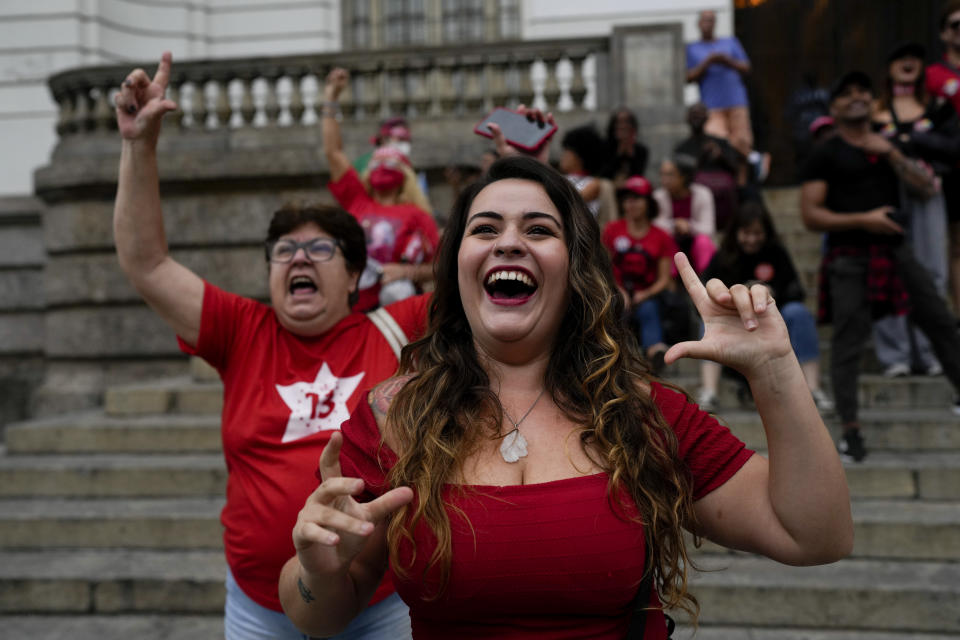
point(332, 528)
point(335, 83)
point(504, 148)
point(742, 327)
point(141, 103)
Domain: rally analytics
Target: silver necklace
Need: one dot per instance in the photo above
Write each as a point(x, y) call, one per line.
point(514, 445)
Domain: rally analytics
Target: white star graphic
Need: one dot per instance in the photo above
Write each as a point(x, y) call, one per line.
point(319, 405)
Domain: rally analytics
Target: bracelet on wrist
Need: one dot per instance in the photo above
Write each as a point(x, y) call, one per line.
point(331, 109)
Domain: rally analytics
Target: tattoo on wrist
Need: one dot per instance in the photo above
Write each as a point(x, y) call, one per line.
point(305, 592)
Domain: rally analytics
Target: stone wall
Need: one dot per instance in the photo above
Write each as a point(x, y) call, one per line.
point(21, 306)
point(221, 178)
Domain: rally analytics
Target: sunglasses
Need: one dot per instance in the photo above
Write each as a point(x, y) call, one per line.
point(317, 250)
point(954, 25)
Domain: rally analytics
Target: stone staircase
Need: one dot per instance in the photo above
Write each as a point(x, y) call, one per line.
point(109, 519)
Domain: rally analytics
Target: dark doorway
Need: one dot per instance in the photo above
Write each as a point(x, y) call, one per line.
point(789, 41)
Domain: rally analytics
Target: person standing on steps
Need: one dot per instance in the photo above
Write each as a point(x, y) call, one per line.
point(292, 372)
point(850, 190)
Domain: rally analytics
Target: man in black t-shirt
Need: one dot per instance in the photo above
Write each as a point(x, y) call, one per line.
point(851, 190)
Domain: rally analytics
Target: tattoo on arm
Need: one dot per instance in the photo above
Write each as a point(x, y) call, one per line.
point(383, 394)
point(911, 172)
point(305, 592)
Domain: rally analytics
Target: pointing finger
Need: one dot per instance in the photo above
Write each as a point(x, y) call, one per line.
point(690, 280)
point(330, 457)
point(162, 77)
point(388, 503)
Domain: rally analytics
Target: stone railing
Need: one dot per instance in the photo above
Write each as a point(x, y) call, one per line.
point(285, 91)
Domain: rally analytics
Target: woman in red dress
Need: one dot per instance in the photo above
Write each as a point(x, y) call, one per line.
point(528, 470)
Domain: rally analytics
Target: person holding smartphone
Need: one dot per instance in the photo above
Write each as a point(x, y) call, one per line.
point(851, 190)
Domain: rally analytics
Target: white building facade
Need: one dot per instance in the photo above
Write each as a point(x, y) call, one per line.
point(42, 37)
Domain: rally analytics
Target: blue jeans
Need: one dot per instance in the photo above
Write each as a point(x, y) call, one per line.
point(802, 329)
point(244, 619)
point(646, 316)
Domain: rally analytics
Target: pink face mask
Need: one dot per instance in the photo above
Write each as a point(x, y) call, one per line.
point(384, 178)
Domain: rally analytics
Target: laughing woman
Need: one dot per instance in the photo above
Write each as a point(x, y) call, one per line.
point(529, 471)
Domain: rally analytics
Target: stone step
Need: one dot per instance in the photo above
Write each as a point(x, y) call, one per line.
point(114, 627)
point(853, 594)
point(200, 371)
point(897, 530)
point(903, 430)
point(112, 581)
point(104, 475)
point(152, 523)
point(173, 395)
point(711, 632)
point(913, 475)
point(96, 432)
point(876, 391)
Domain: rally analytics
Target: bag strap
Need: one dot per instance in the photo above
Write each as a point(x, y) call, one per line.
point(641, 604)
point(391, 331)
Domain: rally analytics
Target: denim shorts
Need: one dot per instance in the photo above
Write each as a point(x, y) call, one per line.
point(244, 619)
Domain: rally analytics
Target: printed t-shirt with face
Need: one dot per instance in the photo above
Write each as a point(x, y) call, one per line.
point(635, 259)
point(402, 233)
point(283, 395)
point(943, 80)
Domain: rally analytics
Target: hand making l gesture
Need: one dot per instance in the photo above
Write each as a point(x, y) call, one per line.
point(742, 327)
point(141, 102)
point(332, 528)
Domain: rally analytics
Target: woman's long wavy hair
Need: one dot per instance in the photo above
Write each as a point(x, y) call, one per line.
point(447, 410)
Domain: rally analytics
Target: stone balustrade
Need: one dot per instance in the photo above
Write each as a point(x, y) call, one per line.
point(286, 91)
point(246, 138)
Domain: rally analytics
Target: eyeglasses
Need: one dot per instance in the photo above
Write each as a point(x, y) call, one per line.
point(954, 25)
point(316, 250)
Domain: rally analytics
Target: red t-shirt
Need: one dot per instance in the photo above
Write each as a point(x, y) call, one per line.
point(944, 81)
point(635, 258)
point(540, 561)
point(283, 395)
point(395, 233)
point(682, 208)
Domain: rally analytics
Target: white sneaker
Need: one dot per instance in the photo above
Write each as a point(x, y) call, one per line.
point(707, 400)
point(934, 369)
point(824, 403)
point(897, 370)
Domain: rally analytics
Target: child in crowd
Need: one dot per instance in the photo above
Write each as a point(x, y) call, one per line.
point(750, 253)
point(580, 162)
point(686, 210)
point(642, 256)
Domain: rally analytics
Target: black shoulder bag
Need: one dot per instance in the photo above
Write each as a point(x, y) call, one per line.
point(638, 620)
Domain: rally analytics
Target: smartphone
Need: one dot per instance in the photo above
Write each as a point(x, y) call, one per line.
point(528, 135)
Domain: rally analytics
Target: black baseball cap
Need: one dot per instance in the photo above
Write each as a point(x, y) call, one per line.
point(858, 78)
point(904, 49)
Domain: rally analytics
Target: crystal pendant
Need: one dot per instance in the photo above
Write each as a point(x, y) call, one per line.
point(514, 446)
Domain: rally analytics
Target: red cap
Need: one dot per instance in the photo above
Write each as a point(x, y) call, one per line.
point(820, 123)
point(395, 127)
point(388, 156)
point(638, 185)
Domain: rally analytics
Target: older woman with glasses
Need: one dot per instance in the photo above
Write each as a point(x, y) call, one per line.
point(292, 371)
